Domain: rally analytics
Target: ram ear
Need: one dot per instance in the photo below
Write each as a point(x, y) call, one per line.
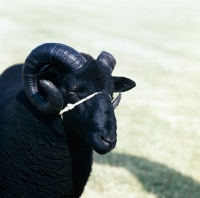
point(123, 84)
point(51, 74)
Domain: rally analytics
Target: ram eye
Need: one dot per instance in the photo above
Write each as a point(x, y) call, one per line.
point(72, 92)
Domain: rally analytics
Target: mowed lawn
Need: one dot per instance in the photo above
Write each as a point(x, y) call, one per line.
point(157, 44)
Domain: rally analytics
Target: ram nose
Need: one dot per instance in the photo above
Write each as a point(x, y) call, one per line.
point(109, 141)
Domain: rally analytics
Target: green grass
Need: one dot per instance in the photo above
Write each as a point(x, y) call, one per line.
point(157, 44)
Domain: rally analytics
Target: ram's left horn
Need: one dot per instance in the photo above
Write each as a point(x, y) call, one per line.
point(117, 101)
point(107, 60)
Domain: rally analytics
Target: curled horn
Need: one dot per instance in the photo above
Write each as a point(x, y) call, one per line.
point(60, 56)
point(107, 60)
point(117, 101)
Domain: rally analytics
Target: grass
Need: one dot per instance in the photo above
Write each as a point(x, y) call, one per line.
point(157, 44)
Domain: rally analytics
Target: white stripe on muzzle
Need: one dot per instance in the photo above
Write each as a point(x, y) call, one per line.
point(71, 106)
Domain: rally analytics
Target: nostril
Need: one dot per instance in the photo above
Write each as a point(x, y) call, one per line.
point(108, 139)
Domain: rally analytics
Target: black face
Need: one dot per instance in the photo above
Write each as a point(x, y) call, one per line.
point(94, 119)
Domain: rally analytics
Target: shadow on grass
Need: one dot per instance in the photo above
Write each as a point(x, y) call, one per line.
point(156, 178)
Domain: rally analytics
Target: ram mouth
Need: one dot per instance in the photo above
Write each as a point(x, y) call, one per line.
point(108, 142)
point(105, 142)
point(104, 146)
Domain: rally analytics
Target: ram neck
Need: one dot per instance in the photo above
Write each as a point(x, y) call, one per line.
point(40, 157)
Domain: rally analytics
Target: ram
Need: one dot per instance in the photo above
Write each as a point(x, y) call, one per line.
point(55, 109)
